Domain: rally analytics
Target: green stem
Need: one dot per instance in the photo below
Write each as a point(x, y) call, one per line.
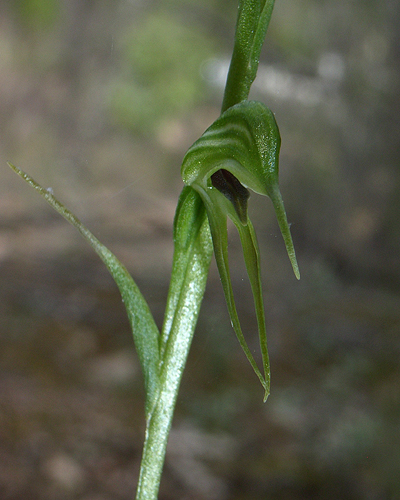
point(251, 26)
point(192, 256)
point(186, 293)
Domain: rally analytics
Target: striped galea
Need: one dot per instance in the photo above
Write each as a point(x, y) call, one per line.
point(240, 151)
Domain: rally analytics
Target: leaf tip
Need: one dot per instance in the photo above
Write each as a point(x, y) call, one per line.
point(18, 171)
point(296, 269)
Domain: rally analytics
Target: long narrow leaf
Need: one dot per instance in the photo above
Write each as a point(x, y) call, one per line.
point(145, 331)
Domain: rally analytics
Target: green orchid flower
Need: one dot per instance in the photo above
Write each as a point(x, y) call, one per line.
point(240, 151)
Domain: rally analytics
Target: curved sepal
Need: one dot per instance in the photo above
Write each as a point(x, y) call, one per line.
point(240, 150)
point(218, 224)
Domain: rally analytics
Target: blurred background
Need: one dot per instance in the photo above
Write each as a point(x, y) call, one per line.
point(99, 100)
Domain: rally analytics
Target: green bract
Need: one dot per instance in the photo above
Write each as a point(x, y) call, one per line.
point(240, 150)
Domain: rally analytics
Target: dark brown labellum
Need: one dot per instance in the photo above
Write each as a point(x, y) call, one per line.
point(232, 189)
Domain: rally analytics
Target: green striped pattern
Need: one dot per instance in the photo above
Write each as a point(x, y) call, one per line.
point(244, 140)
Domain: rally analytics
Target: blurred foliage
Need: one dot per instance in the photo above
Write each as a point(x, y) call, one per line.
point(160, 70)
point(37, 14)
